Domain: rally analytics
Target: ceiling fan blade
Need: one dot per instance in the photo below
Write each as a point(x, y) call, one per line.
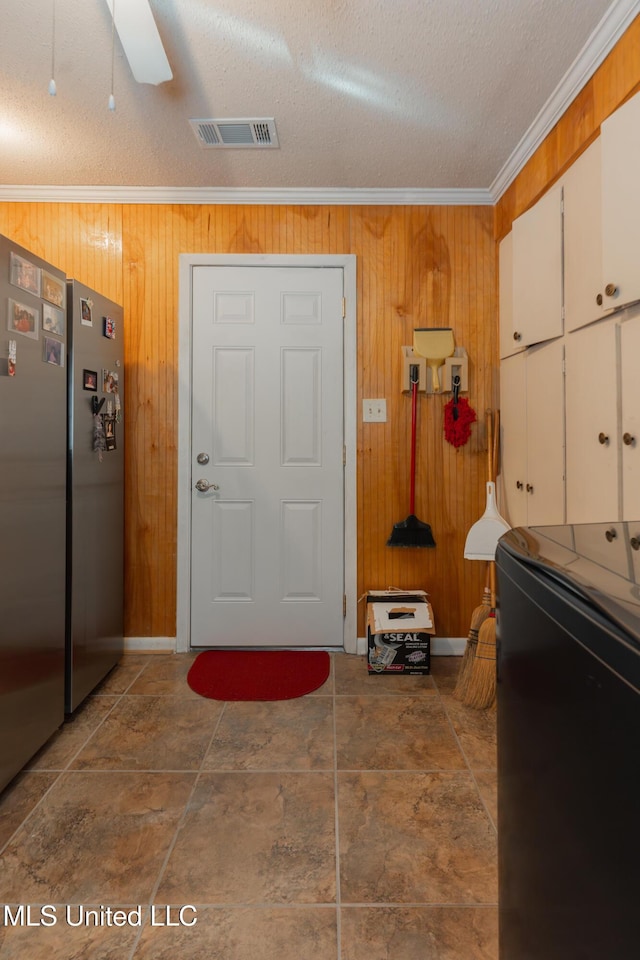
point(141, 41)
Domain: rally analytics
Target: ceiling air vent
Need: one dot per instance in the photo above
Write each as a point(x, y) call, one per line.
point(236, 133)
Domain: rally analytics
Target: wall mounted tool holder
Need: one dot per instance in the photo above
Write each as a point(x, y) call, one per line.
point(457, 365)
point(409, 359)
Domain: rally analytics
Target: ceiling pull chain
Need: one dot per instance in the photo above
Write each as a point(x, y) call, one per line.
point(112, 99)
point(52, 83)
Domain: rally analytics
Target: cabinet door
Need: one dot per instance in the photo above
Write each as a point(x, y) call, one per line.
point(509, 344)
point(632, 535)
point(592, 424)
point(630, 418)
point(620, 135)
point(537, 270)
point(606, 547)
point(513, 440)
point(545, 485)
point(583, 286)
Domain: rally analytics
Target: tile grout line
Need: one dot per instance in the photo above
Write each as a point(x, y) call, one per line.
point(177, 830)
point(468, 763)
point(66, 769)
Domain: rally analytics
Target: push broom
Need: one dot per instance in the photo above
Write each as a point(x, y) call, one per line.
point(412, 532)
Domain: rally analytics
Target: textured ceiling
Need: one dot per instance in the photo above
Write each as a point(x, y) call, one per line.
point(373, 94)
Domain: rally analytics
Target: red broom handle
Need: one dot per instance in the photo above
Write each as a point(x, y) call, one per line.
point(414, 420)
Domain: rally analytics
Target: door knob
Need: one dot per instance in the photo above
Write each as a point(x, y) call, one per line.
point(517, 336)
point(611, 289)
point(203, 486)
point(519, 484)
point(635, 543)
point(628, 439)
point(203, 458)
point(529, 488)
point(599, 299)
point(611, 535)
point(603, 438)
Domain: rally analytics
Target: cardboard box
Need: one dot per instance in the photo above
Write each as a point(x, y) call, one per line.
point(399, 630)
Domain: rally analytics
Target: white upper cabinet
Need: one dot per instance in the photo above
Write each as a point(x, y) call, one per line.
point(620, 136)
point(537, 271)
point(584, 299)
point(508, 343)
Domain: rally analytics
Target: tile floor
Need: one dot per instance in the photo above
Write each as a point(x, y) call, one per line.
point(356, 823)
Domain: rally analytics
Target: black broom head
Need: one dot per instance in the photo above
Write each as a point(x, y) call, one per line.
point(411, 533)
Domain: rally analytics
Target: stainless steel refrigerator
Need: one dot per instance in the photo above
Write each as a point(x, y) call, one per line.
point(33, 423)
point(95, 475)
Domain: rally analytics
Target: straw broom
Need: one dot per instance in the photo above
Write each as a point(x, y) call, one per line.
point(480, 687)
point(481, 692)
point(481, 612)
point(478, 617)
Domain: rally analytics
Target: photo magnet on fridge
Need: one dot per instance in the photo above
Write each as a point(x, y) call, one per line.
point(109, 328)
point(109, 432)
point(86, 317)
point(90, 380)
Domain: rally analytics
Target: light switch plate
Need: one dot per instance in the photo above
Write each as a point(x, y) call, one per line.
point(374, 411)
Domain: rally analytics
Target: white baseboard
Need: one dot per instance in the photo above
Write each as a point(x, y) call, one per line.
point(440, 646)
point(149, 644)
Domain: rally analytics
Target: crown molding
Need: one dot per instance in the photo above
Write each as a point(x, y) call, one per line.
point(399, 196)
point(616, 20)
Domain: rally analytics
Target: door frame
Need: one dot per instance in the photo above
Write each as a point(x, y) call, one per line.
point(187, 261)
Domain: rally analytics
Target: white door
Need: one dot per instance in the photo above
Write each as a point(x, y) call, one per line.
point(267, 546)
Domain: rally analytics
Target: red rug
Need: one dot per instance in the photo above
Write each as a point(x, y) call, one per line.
point(258, 674)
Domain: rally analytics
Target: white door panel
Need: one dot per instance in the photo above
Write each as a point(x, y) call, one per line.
point(267, 547)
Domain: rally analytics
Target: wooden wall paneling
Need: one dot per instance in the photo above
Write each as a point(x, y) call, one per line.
point(576, 128)
point(422, 267)
point(84, 240)
point(155, 237)
point(415, 266)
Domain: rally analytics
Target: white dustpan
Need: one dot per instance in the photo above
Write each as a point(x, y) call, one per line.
point(483, 536)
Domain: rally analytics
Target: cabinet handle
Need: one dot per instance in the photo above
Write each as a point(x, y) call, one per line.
point(628, 440)
point(635, 543)
point(611, 535)
point(599, 299)
point(517, 336)
point(611, 290)
point(529, 488)
point(603, 438)
point(519, 484)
